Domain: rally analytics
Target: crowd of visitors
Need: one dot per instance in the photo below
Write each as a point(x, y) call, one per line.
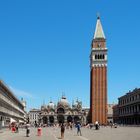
point(14, 127)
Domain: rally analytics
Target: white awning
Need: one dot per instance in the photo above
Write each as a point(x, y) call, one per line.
point(20, 121)
point(12, 120)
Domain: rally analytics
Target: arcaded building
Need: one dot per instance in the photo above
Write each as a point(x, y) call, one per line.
point(11, 108)
point(129, 107)
point(61, 112)
point(116, 113)
point(98, 76)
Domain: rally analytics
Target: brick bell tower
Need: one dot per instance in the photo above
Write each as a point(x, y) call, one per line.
point(98, 76)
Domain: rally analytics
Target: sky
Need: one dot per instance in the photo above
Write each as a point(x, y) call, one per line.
point(45, 47)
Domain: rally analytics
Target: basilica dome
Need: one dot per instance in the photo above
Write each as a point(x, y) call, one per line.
point(44, 107)
point(51, 105)
point(63, 101)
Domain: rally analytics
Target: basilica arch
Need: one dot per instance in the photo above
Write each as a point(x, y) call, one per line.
point(69, 119)
point(60, 110)
point(60, 118)
point(45, 120)
point(51, 119)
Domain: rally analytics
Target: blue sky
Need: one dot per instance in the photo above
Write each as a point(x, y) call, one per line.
point(45, 47)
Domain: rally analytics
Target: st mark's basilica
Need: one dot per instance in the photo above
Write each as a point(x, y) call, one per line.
point(62, 112)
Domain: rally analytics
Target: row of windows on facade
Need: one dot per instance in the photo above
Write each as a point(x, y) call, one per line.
point(99, 56)
point(10, 109)
point(129, 99)
point(5, 97)
point(130, 109)
point(34, 116)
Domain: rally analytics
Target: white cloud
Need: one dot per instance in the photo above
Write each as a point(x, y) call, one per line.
point(21, 93)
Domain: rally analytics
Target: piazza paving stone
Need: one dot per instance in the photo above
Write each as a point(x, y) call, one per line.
point(105, 133)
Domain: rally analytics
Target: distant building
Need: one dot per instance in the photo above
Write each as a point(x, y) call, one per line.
point(110, 113)
point(34, 116)
point(128, 108)
point(60, 113)
point(116, 113)
point(11, 108)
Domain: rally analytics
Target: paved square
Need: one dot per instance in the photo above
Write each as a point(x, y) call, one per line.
point(120, 133)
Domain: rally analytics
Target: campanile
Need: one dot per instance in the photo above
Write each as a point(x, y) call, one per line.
point(98, 76)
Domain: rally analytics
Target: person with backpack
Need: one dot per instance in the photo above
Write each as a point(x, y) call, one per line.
point(78, 129)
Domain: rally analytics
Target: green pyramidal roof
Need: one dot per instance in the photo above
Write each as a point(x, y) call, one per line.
point(99, 33)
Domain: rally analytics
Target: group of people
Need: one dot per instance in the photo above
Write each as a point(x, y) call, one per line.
point(62, 126)
point(91, 125)
point(14, 127)
point(62, 129)
point(97, 125)
point(77, 126)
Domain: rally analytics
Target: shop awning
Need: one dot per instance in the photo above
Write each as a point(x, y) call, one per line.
point(12, 120)
point(20, 121)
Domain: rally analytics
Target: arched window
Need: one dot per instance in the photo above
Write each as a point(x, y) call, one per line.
point(51, 119)
point(95, 56)
point(103, 56)
point(60, 111)
point(98, 56)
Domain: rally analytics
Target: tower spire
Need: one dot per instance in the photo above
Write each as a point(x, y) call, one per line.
point(98, 15)
point(99, 33)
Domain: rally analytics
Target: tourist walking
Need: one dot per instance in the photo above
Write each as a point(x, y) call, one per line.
point(39, 131)
point(16, 127)
point(27, 130)
point(79, 129)
point(70, 125)
point(97, 125)
point(62, 131)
